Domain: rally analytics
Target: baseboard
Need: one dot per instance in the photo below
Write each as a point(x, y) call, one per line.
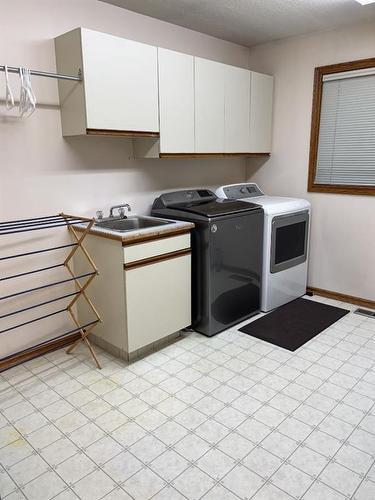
point(342, 297)
point(138, 353)
point(35, 352)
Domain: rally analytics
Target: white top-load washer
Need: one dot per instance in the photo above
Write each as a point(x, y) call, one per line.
point(285, 242)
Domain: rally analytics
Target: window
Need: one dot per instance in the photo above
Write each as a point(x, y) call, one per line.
point(342, 147)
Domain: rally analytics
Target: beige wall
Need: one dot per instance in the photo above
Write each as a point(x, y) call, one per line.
point(343, 227)
point(42, 173)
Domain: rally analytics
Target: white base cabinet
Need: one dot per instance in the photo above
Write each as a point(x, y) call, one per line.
point(143, 291)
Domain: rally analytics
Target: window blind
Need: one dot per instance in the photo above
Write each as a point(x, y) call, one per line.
point(346, 147)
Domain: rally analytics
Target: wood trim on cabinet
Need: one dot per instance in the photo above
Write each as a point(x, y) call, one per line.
point(210, 155)
point(145, 238)
point(315, 127)
point(121, 133)
point(35, 352)
point(351, 299)
point(138, 239)
point(157, 258)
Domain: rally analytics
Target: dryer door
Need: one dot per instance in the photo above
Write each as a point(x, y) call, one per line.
point(289, 240)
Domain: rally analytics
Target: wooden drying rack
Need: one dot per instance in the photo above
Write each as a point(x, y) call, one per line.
point(81, 332)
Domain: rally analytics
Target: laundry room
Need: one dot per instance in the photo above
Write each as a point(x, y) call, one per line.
point(187, 223)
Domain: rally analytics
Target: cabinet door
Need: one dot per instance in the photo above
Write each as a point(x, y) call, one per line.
point(176, 101)
point(209, 106)
point(120, 78)
point(261, 98)
point(237, 105)
point(158, 300)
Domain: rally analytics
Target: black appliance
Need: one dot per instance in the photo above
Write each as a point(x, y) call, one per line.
point(226, 255)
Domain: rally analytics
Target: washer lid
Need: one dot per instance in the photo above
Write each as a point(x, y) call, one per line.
point(201, 202)
point(216, 208)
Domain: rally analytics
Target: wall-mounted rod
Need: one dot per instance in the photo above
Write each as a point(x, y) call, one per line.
point(13, 69)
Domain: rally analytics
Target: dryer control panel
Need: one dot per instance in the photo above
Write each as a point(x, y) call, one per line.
point(238, 191)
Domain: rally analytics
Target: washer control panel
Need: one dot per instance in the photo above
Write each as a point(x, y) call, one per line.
point(187, 196)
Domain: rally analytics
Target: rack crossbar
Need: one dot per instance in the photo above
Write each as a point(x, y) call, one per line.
point(19, 221)
point(75, 330)
point(53, 225)
point(70, 332)
point(47, 286)
point(31, 272)
point(33, 320)
point(50, 249)
point(40, 304)
point(14, 225)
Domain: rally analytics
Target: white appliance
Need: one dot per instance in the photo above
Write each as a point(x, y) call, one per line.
point(285, 242)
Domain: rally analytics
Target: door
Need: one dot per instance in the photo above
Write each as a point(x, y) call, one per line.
point(261, 98)
point(121, 87)
point(237, 105)
point(289, 240)
point(158, 300)
point(209, 106)
point(176, 101)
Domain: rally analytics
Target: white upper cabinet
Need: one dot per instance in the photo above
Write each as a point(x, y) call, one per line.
point(119, 92)
point(209, 106)
point(129, 88)
point(237, 105)
point(176, 102)
point(261, 101)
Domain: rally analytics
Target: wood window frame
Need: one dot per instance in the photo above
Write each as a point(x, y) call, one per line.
point(315, 127)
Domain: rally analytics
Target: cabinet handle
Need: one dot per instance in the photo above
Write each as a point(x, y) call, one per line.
point(157, 258)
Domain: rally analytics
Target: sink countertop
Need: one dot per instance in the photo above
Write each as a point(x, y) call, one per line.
point(140, 235)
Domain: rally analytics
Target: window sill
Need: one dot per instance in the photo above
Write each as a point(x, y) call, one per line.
point(340, 189)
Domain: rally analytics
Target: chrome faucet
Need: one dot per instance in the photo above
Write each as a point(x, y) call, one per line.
point(121, 210)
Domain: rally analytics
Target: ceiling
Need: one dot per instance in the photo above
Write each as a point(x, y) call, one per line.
point(250, 22)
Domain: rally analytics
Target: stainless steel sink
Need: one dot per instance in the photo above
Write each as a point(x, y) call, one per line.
point(130, 223)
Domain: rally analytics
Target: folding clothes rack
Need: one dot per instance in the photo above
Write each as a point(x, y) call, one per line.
point(50, 222)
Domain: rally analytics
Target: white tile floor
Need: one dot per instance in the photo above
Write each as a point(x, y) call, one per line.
point(216, 418)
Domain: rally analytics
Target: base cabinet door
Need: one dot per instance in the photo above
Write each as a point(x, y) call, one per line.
point(157, 300)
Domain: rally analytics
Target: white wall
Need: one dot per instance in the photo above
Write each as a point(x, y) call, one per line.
point(42, 173)
point(343, 227)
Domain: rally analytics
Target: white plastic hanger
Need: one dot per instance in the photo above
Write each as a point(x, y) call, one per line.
point(27, 97)
point(9, 99)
